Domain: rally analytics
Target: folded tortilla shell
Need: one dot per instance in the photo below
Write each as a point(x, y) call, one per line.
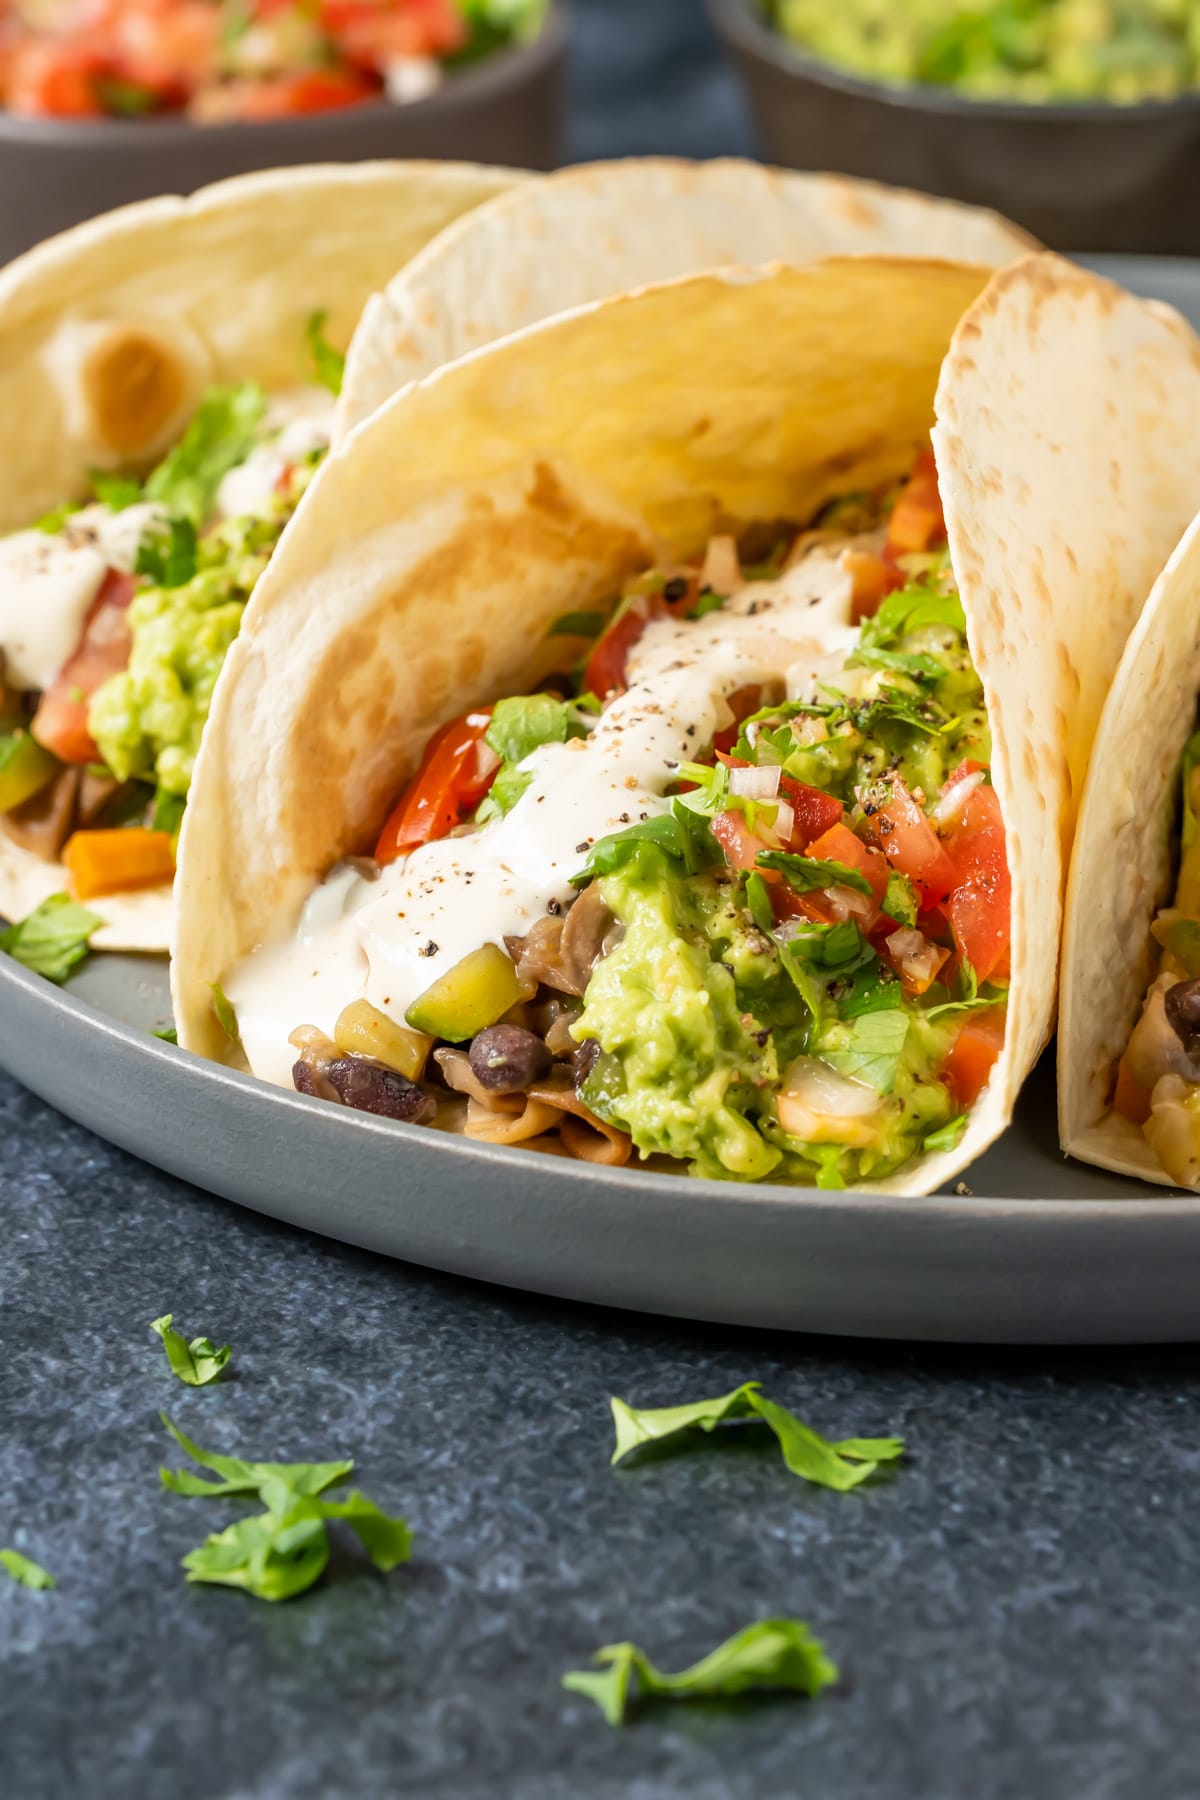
point(109, 332)
point(522, 482)
point(590, 232)
point(1124, 863)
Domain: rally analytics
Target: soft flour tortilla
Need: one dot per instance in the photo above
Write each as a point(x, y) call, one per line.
point(1123, 866)
point(109, 333)
point(1070, 463)
point(476, 507)
point(591, 232)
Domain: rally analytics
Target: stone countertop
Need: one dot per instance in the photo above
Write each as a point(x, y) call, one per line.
point(1013, 1610)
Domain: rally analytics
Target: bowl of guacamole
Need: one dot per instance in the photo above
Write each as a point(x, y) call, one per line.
point(1078, 119)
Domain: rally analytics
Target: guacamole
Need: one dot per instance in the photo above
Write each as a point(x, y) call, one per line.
point(1121, 51)
point(706, 1002)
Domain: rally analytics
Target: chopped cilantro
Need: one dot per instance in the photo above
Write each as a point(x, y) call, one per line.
point(167, 554)
point(806, 873)
point(329, 364)
point(24, 1571)
point(115, 491)
point(871, 1051)
point(226, 1016)
point(772, 1653)
point(53, 939)
point(197, 1363)
point(806, 1453)
point(947, 1136)
point(221, 434)
point(900, 899)
point(759, 901)
point(577, 624)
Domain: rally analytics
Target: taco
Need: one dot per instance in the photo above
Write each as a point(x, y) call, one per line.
point(1129, 1035)
point(165, 377)
point(670, 777)
point(586, 233)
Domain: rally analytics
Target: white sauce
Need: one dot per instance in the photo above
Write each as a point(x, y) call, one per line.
point(48, 582)
point(389, 939)
point(295, 424)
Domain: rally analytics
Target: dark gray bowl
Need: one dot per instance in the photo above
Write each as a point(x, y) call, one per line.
point(1088, 177)
point(53, 173)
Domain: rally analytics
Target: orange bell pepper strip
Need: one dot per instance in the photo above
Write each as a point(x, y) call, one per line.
point(917, 522)
point(113, 862)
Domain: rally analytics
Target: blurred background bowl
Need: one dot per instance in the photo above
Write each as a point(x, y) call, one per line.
point(54, 172)
point(1080, 177)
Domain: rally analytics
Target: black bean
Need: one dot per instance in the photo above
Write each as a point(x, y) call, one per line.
point(1182, 1006)
point(506, 1058)
point(304, 1078)
point(370, 1086)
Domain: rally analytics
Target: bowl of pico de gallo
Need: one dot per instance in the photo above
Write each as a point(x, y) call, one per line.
point(108, 101)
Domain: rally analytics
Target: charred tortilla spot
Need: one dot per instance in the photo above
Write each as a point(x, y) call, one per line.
point(133, 386)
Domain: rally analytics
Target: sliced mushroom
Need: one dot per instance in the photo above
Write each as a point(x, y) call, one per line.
point(43, 823)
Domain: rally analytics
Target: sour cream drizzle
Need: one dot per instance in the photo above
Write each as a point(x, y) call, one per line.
point(295, 424)
point(390, 938)
point(49, 580)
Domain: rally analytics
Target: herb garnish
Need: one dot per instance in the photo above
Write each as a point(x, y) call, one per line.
point(841, 1466)
point(282, 1552)
point(329, 364)
point(24, 1571)
point(53, 939)
point(773, 1653)
point(221, 434)
point(197, 1363)
point(805, 873)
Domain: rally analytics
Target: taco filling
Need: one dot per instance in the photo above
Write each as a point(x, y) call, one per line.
point(1158, 1077)
point(115, 617)
point(735, 895)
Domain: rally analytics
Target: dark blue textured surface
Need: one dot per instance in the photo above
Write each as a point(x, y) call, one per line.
point(1014, 1611)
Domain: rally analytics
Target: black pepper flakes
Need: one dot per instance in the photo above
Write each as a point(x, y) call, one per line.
point(429, 949)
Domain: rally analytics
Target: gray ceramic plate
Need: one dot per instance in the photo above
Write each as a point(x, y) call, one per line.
point(1040, 1251)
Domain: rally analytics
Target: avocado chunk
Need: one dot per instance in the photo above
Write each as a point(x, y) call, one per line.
point(473, 994)
point(25, 768)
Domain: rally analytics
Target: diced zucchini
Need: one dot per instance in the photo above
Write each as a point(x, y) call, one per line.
point(362, 1030)
point(473, 994)
point(24, 768)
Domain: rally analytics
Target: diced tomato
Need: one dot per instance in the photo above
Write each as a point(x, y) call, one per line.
point(53, 77)
point(605, 671)
point(61, 722)
point(455, 773)
point(980, 906)
point(376, 34)
point(740, 844)
point(315, 90)
point(873, 580)
point(917, 523)
point(813, 812)
point(840, 844)
point(911, 844)
point(973, 1054)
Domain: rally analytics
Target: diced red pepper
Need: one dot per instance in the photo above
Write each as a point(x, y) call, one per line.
point(605, 671)
point(813, 812)
point(453, 778)
point(873, 580)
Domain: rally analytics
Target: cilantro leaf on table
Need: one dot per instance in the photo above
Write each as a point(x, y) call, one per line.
point(24, 1571)
point(222, 432)
point(329, 365)
point(283, 1551)
point(196, 1363)
point(840, 1466)
point(772, 1653)
point(53, 939)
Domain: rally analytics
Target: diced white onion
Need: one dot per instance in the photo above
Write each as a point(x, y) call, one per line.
point(721, 570)
point(785, 822)
point(822, 1107)
point(754, 784)
point(847, 903)
point(906, 942)
point(955, 798)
